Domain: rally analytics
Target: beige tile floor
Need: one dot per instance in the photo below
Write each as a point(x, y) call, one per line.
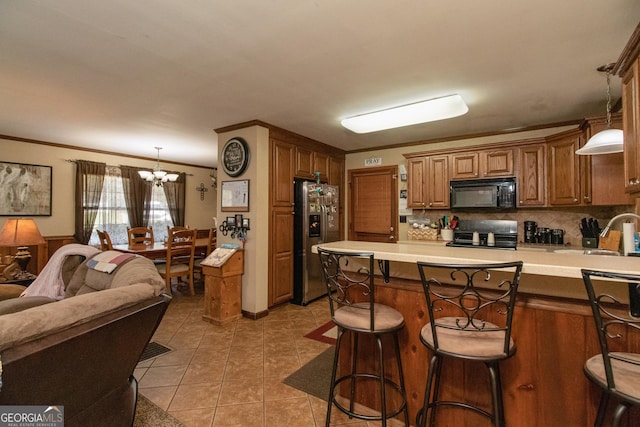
point(231, 375)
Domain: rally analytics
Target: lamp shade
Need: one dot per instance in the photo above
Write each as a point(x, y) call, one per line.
point(20, 232)
point(607, 141)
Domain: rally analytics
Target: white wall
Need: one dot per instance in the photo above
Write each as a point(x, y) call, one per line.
point(255, 281)
point(198, 213)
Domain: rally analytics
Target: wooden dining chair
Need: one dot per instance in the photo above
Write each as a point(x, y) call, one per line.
point(211, 246)
point(105, 240)
point(140, 235)
point(181, 245)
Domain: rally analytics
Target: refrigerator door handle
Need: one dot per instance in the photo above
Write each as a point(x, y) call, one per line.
point(323, 223)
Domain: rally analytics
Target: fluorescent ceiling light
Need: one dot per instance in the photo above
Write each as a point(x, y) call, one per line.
point(406, 115)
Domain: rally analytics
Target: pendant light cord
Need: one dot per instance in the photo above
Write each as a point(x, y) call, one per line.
point(608, 98)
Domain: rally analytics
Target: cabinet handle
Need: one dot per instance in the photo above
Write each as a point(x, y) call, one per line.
point(575, 200)
point(430, 203)
point(520, 202)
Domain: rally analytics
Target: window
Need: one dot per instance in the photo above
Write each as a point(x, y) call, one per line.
point(112, 213)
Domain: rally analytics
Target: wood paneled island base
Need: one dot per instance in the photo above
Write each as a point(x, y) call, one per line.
point(543, 383)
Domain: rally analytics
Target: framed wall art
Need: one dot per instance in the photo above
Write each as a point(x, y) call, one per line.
point(235, 196)
point(25, 190)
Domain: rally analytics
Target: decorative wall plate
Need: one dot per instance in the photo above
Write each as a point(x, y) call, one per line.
point(235, 156)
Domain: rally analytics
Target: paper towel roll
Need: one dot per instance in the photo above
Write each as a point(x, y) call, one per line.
point(628, 233)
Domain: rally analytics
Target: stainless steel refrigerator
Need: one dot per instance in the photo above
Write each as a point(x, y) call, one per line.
point(316, 221)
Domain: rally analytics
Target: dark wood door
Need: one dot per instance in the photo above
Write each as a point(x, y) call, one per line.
point(373, 204)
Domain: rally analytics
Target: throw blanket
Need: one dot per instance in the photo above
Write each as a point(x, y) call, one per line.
point(108, 261)
point(49, 282)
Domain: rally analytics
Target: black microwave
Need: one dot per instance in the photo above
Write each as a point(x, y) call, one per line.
point(494, 193)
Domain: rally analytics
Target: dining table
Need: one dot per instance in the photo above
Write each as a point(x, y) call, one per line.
point(158, 250)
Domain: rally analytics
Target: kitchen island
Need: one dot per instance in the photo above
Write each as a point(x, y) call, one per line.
point(543, 384)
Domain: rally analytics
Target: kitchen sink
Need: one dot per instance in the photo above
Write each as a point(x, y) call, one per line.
point(601, 252)
point(587, 252)
point(570, 251)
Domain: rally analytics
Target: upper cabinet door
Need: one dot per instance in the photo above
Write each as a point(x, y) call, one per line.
point(336, 168)
point(465, 165)
point(282, 156)
point(496, 163)
point(531, 177)
point(428, 182)
point(416, 183)
point(321, 164)
point(564, 170)
point(304, 163)
point(631, 127)
point(438, 182)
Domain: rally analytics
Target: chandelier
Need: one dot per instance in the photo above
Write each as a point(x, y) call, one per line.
point(158, 176)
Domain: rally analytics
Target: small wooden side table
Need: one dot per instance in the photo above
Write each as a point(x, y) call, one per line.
point(223, 290)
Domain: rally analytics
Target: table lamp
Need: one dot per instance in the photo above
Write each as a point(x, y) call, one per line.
point(21, 232)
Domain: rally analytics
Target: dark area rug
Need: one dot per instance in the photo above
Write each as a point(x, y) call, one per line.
point(315, 377)
point(153, 349)
point(148, 414)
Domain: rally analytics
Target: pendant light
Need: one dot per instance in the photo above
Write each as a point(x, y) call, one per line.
point(610, 140)
point(158, 176)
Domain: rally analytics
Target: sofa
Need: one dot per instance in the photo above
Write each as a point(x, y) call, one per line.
point(78, 349)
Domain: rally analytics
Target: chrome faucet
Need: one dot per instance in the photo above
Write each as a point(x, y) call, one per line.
point(605, 231)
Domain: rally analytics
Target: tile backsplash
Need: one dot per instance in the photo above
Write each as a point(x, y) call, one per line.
point(567, 219)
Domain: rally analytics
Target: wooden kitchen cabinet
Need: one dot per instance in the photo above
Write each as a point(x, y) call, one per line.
point(321, 164)
point(416, 182)
point(465, 165)
point(428, 182)
point(282, 163)
point(564, 168)
point(304, 162)
point(336, 171)
point(308, 162)
point(631, 126)
point(438, 182)
point(290, 156)
point(495, 163)
point(532, 175)
point(281, 250)
point(482, 164)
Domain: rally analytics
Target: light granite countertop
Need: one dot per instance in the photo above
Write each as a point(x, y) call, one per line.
point(541, 260)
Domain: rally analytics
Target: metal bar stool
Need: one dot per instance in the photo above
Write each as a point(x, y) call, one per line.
point(470, 314)
point(615, 370)
point(350, 285)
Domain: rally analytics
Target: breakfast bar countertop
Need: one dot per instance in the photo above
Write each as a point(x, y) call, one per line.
point(536, 261)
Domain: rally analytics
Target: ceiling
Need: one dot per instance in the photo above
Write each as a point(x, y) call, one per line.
point(127, 76)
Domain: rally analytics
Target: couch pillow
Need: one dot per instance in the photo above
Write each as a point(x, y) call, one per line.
point(134, 270)
point(14, 305)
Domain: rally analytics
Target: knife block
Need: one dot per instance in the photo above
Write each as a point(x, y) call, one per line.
point(611, 242)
